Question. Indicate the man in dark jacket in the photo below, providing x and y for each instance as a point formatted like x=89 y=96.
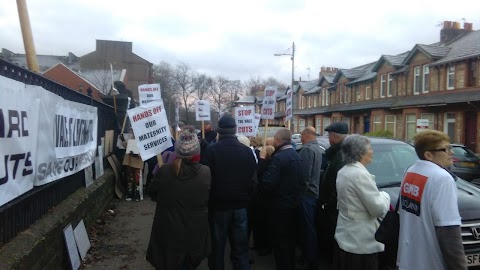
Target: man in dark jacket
x=234 y=177
x=282 y=186
x=328 y=192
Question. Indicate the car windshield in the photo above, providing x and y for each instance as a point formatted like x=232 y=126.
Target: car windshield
x=390 y=161
x=462 y=152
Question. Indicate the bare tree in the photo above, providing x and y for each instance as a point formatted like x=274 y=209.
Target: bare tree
x=184 y=85
x=235 y=90
x=202 y=85
x=219 y=93
x=163 y=73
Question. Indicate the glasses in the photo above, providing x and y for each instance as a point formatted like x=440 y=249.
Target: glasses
x=448 y=149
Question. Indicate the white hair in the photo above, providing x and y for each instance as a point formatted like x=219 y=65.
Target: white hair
x=243 y=139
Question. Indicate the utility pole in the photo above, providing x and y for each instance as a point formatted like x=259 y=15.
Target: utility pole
x=27 y=36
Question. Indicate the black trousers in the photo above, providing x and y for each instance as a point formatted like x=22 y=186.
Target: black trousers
x=283 y=235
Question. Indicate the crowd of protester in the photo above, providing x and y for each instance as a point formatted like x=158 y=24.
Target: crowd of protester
x=218 y=186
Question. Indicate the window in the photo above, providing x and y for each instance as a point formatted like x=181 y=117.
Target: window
x=341 y=92
x=309 y=122
x=377 y=122
x=390 y=123
x=357 y=92
x=472 y=73
x=301 y=124
x=346 y=97
x=295 y=124
x=417 y=80
x=346 y=120
x=449 y=125
x=389 y=84
x=315 y=101
x=430 y=117
x=318 y=125
x=367 y=91
x=326 y=123
x=327 y=97
x=335 y=119
x=450 y=77
x=426 y=79
x=382 y=85
x=411 y=126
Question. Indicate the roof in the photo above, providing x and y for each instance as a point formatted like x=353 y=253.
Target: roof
x=393 y=60
x=328 y=78
x=44 y=61
x=350 y=74
x=463 y=48
x=437 y=98
x=369 y=74
x=433 y=51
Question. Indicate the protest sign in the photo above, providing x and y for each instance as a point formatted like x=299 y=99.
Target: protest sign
x=202 y=110
x=150 y=126
x=256 y=120
x=149 y=93
x=244 y=116
x=268 y=104
x=288 y=109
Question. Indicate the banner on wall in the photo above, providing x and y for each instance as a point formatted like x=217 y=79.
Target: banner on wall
x=29 y=134
x=150 y=126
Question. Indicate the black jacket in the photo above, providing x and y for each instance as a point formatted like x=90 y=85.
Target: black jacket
x=328 y=189
x=234 y=174
x=281 y=183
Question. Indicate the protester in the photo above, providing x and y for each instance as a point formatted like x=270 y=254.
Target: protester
x=180 y=236
x=234 y=179
x=133 y=170
x=311 y=156
x=360 y=204
x=210 y=134
x=327 y=215
x=430 y=232
x=281 y=185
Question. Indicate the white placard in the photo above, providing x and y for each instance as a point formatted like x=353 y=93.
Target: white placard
x=150 y=126
x=202 y=110
x=88 y=175
x=132 y=147
x=71 y=247
x=149 y=93
x=422 y=124
x=244 y=116
x=268 y=104
x=288 y=110
x=257 y=118
x=99 y=163
x=81 y=237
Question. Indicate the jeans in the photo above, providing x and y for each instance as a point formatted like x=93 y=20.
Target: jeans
x=234 y=225
x=309 y=231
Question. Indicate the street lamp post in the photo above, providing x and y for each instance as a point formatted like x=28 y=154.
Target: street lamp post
x=292 y=57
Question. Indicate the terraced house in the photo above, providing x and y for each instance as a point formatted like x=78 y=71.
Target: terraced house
x=439 y=82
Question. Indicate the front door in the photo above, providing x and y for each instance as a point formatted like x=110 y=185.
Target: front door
x=366 y=124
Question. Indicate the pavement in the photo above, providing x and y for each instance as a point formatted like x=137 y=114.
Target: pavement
x=119 y=239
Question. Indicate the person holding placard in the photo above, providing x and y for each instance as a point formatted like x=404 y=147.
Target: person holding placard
x=180 y=237
x=133 y=168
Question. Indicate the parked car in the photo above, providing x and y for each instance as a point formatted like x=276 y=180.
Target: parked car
x=391 y=158
x=466 y=164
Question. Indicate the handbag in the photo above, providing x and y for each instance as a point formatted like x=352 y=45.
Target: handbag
x=389 y=229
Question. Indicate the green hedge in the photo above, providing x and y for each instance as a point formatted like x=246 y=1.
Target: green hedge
x=380 y=133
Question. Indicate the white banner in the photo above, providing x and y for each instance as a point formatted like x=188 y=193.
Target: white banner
x=28 y=141
x=256 y=120
x=150 y=126
x=148 y=93
x=268 y=105
x=202 y=110
x=288 y=111
x=244 y=116
x=75 y=126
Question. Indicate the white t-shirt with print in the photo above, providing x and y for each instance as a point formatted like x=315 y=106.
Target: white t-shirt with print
x=428 y=199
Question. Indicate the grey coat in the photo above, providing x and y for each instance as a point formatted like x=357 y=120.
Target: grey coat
x=311 y=155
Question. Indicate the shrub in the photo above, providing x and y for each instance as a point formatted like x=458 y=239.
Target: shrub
x=380 y=133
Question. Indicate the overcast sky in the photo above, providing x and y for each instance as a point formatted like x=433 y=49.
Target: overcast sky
x=237 y=39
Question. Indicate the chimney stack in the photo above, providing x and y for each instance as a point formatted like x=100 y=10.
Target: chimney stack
x=327 y=71
x=452 y=30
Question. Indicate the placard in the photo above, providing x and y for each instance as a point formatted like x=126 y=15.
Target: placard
x=88 y=175
x=150 y=126
x=244 y=116
x=268 y=104
x=108 y=142
x=202 y=110
x=81 y=238
x=149 y=93
x=132 y=147
x=71 y=247
x=99 y=163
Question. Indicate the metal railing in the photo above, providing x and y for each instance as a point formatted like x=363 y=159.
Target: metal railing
x=18 y=214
